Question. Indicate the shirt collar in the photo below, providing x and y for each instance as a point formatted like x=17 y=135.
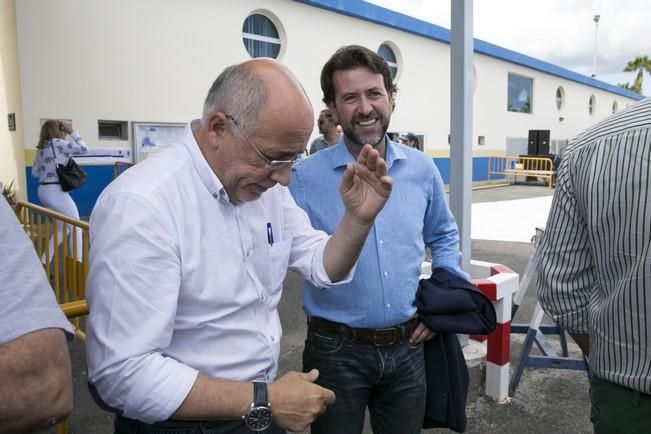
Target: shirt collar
x=205 y=172
x=341 y=155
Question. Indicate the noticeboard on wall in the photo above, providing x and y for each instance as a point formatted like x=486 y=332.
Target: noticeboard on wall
x=151 y=137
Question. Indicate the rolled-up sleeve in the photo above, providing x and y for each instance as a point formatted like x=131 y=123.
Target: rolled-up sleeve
x=132 y=290
x=78 y=146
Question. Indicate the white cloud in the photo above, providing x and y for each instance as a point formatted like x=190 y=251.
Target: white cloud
x=557 y=31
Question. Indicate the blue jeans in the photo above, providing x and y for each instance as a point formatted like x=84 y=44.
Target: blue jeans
x=389 y=380
x=125 y=425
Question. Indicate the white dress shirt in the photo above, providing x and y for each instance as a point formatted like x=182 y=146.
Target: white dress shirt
x=182 y=281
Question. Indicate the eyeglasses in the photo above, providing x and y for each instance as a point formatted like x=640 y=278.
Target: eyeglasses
x=269 y=162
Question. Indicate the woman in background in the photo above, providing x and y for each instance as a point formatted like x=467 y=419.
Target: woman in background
x=52 y=148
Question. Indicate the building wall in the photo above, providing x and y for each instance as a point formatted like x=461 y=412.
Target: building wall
x=91 y=70
x=153 y=60
x=492 y=119
x=11 y=142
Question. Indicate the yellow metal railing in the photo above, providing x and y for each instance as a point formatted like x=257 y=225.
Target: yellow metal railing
x=62 y=244
x=119 y=167
x=539 y=167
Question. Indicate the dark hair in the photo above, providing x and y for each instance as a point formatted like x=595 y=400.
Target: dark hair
x=351 y=57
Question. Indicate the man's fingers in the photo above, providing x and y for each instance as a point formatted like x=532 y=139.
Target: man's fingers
x=330 y=397
x=311 y=376
x=379 y=166
x=387 y=182
x=363 y=154
x=420 y=334
x=348 y=178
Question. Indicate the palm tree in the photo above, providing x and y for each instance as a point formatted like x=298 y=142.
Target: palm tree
x=639 y=65
x=628 y=86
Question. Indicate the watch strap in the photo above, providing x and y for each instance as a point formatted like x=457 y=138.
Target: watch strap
x=260 y=393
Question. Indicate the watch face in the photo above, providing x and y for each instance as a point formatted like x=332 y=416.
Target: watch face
x=258 y=418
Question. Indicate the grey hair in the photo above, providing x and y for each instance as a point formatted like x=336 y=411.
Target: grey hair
x=238 y=92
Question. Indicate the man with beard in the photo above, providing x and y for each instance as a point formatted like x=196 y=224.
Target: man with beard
x=328 y=129
x=364 y=337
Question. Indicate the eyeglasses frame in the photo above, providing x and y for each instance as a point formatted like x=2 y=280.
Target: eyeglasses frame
x=269 y=163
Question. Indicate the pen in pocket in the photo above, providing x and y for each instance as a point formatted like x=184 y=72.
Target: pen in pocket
x=270 y=234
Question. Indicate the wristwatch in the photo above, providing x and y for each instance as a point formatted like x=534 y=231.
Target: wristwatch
x=258 y=417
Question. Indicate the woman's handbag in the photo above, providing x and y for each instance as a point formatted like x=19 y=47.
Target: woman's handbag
x=71 y=175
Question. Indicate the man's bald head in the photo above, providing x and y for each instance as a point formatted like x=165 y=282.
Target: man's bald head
x=257 y=89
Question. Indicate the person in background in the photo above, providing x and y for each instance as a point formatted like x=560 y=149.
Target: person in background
x=328 y=129
x=594 y=276
x=189 y=250
x=364 y=337
x=35 y=378
x=53 y=148
x=409 y=139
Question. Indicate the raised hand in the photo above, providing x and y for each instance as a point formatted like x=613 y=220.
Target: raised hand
x=66 y=127
x=365 y=186
x=296 y=401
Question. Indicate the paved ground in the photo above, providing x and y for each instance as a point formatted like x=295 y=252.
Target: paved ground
x=547 y=401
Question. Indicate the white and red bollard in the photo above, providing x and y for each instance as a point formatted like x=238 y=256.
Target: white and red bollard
x=500 y=284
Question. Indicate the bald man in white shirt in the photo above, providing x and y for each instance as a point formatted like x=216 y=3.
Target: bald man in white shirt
x=189 y=250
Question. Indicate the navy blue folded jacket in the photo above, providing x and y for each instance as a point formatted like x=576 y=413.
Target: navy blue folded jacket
x=449 y=304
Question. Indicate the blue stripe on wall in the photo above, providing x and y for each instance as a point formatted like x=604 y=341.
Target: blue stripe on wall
x=385 y=17
x=86 y=195
x=100 y=176
x=479 y=168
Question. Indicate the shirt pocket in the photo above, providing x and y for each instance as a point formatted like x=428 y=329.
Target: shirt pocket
x=279 y=260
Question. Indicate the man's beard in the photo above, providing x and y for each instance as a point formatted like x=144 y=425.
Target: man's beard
x=373 y=140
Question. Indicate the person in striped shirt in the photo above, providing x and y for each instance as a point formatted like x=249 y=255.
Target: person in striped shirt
x=595 y=271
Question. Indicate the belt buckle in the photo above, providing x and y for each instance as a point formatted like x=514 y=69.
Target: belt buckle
x=394 y=337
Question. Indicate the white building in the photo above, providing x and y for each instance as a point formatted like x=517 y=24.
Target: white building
x=111 y=65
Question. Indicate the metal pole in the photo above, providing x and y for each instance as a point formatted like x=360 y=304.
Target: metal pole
x=461 y=49
x=594 y=59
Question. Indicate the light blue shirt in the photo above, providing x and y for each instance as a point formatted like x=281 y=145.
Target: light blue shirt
x=383 y=289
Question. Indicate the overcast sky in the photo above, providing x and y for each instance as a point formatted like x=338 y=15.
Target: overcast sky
x=557 y=31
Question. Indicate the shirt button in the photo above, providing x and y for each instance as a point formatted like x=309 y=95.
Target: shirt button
x=273 y=339
x=262 y=297
x=215 y=195
x=388 y=305
x=381 y=241
x=386 y=273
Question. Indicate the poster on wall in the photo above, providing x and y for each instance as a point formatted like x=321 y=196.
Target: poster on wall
x=151 y=137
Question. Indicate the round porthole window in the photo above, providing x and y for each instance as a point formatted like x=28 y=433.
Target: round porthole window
x=260 y=36
x=560 y=98
x=592 y=105
x=389 y=56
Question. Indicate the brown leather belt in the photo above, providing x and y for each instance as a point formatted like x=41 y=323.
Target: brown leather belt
x=378 y=337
